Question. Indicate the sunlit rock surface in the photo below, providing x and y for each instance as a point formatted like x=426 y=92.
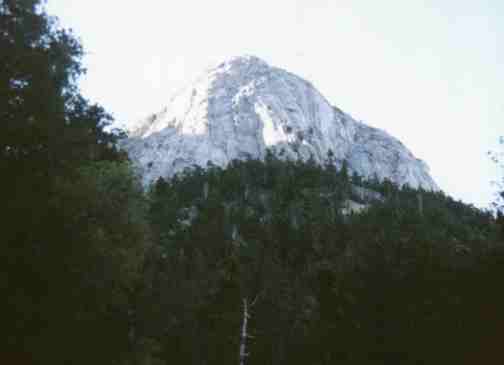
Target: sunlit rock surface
x=242 y=107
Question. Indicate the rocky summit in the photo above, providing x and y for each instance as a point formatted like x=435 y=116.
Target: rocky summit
x=243 y=107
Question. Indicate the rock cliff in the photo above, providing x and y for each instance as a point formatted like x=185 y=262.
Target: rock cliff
x=242 y=107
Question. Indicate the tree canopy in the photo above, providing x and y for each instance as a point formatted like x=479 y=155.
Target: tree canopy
x=73 y=231
x=398 y=282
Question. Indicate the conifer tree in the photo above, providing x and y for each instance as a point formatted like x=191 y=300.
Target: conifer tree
x=73 y=229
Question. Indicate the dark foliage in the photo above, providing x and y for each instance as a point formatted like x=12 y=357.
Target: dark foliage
x=72 y=226
x=394 y=284
x=95 y=272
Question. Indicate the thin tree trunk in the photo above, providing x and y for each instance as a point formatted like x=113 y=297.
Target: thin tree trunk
x=420 y=204
x=243 y=337
x=244 y=330
x=206 y=189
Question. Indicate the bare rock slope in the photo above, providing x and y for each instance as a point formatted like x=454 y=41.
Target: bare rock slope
x=242 y=107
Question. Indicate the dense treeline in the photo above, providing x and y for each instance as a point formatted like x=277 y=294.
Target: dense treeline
x=73 y=231
x=411 y=279
x=333 y=269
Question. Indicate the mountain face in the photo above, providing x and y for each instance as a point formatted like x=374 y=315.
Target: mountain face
x=243 y=107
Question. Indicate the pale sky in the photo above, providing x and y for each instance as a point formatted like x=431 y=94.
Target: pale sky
x=429 y=72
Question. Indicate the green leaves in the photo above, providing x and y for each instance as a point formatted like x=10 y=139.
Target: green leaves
x=74 y=233
x=332 y=287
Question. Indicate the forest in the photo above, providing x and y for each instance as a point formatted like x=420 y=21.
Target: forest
x=262 y=262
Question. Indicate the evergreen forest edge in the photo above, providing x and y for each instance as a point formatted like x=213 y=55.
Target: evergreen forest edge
x=95 y=270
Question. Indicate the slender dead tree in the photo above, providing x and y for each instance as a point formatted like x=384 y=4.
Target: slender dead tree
x=244 y=335
x=420 y=204
x=206 y=188
x=244 y=328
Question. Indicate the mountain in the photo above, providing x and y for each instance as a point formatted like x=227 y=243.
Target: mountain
x=243 y=107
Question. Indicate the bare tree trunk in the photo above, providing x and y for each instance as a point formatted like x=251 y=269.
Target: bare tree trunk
x=244 y=330
x=206 y=188
x=243 y=337
x=420 y=204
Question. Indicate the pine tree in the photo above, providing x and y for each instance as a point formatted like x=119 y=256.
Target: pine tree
x=73 y=229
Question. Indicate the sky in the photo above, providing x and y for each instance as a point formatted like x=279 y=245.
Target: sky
x=429 y=72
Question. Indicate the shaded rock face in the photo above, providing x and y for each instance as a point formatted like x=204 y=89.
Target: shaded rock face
x=242 y=107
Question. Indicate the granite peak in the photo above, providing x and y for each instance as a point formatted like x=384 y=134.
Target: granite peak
x=242 y=107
